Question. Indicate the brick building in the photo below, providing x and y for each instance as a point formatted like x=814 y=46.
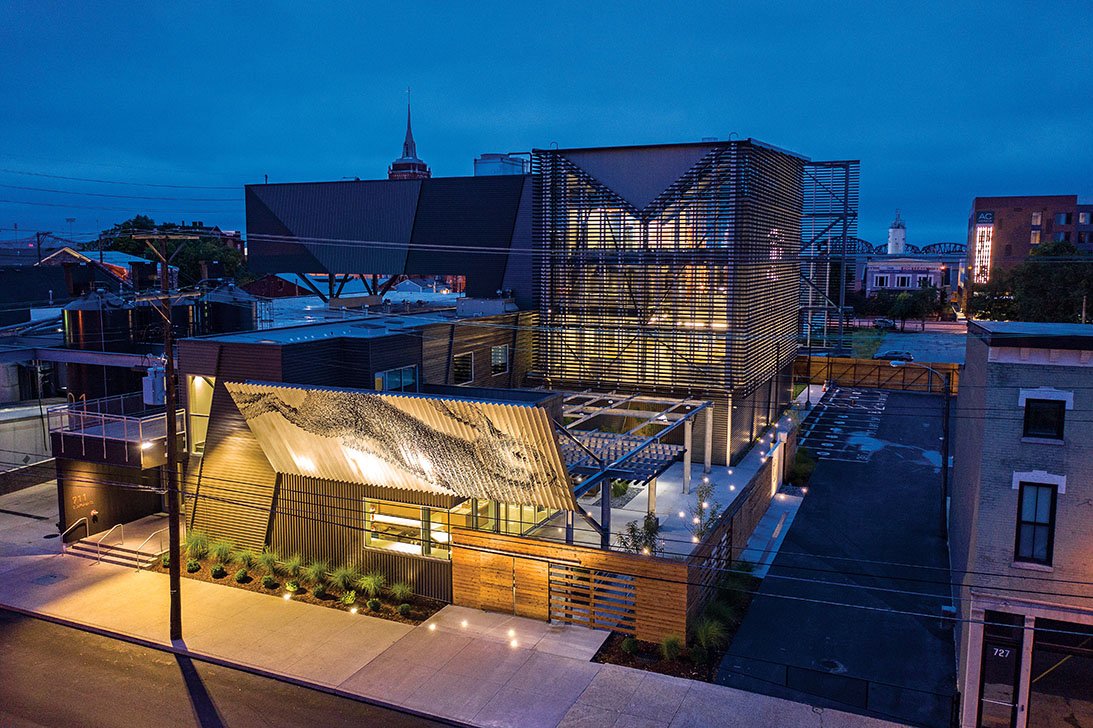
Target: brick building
x=1021 y=543
x=1002 y=231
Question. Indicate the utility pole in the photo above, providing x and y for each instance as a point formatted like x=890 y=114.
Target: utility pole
x=38 y=243
x=945 y=458
x=171 y=402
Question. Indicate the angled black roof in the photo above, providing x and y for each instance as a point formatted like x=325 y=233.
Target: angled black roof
x=438 y=226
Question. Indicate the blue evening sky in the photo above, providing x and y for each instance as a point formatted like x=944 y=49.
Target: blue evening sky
x=940 y=101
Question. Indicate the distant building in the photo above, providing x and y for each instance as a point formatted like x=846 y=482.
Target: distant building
x=1002 y=231
x=905 y=274
x=493 y=164
x=897 y=236
x=408 y=166
x=1021 y=543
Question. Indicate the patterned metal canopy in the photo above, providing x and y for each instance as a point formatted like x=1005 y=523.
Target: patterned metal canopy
x=474 y=449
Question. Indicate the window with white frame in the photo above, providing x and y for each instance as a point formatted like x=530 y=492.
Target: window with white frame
x=903 y=281
x=499 y=359
x=1035 y=539
x=880 y=281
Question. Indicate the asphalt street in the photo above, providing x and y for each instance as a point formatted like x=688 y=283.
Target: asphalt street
x=52 y=675
x=836 y=621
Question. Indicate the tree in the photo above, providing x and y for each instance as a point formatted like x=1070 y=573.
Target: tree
x=906 y=305
x=992 y=300
x=643 y=539
x=189 y=259
x=1049 y=286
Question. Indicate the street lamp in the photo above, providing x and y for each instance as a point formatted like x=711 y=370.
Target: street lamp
x=944 y=437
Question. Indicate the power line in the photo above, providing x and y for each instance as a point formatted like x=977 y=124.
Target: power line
x=125 y=197
x=118 y=182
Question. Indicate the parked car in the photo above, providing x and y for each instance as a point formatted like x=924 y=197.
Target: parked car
x=894 y=356
x=884 y=323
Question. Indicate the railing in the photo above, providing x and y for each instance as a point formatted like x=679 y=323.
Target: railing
x=121 y=418
x=159 y=533
x=98 y=542
x=71 y=528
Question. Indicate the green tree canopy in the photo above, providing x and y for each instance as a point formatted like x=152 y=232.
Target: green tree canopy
x=1048 y=286
x=189 y=259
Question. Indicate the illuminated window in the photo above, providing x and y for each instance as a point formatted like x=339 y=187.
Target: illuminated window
x=407 y=529
x=200 y=398
x=463 y=368
x=1035 y=523
x=1083 y=218
x=1034 y=238
x=403 y=379
x=1037 y=218
x=981 y=267
x=499 y=359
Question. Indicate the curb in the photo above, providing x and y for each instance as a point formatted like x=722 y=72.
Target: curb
x=221 y=662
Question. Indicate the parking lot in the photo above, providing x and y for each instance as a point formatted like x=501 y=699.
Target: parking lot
x=849 y=614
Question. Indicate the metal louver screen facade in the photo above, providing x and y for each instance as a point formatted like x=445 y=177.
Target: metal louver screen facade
x=472 y=449
x=686 y=284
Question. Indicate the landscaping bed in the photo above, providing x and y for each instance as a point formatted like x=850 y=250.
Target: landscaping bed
x=710 y=638
x=343 y=588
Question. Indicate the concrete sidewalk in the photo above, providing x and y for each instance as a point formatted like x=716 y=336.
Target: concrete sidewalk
x=465 y=665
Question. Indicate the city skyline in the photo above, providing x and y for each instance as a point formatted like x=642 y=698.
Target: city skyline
x=939 y=109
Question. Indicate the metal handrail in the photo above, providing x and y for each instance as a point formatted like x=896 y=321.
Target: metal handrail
x=98 y=543
x=154 y=533
x=71 y=528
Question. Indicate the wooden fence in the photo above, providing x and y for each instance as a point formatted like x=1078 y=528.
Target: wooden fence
x=875 y=374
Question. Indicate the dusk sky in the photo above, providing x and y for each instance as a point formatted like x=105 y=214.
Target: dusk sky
x=940 y=103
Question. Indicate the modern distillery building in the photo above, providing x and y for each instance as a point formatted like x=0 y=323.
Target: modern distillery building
x=617 y=299
x=673 y=269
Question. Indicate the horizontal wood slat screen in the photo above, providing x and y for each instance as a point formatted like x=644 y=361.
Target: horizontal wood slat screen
x=638 y=595
x=874 y=373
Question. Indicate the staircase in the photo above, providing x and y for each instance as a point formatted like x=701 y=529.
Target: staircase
x=111 y=553
x=137 y=545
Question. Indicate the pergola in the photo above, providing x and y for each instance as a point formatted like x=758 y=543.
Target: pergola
x=621 y=436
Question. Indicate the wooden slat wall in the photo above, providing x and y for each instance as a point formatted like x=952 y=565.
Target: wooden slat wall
x=728 y=538
x=505 y=573
x=875 y=374
x=233 y=482
x=440 y=342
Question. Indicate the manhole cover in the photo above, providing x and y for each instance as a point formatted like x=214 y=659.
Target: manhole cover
x=47 y=579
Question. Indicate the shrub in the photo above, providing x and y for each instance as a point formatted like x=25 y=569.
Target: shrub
x=643 y=539
x=242 y=577
x=165 y=560
x=315 y=573
x=292 y=587
x=619 y=488
x=345 y=577
x=245 y=558
x=219 y=572
x=670 y=647
x=267 y=562
x=371 y=584
x=629 y=645
x=724 y=612
x=222 y=551
x=374 y=604
x=197 y=545
x=711 y=636
x=404 y=610
x=269 y=582
x=401 y=591
x=293 y=565
x=193 y=566
x=349 y=598
x=803 y=465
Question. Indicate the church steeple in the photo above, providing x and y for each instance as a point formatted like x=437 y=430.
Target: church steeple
x=408 y=166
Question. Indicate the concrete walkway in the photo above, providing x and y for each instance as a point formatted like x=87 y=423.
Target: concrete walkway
x=465 y=665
